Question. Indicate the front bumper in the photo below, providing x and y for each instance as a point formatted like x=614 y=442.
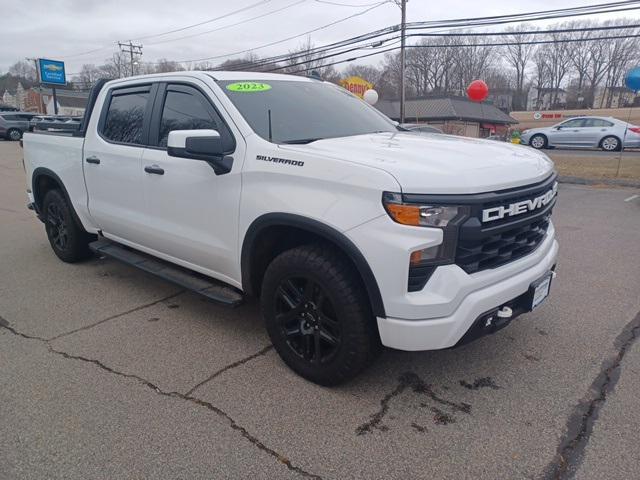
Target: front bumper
x=447 y=331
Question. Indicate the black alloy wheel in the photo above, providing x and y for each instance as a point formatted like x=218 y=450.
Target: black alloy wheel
x=307 y=319
x=56 y=226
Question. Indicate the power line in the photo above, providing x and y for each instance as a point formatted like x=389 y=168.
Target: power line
x=285 y=39
x=468 y=22
x=181 y=29
x=467 y=45
x=253 y=5
x=345 y=4
x=229 y=26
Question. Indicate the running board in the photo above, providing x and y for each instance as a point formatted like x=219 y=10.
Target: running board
x=205 y=286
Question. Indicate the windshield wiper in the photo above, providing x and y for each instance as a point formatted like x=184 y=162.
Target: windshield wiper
x=300 y=141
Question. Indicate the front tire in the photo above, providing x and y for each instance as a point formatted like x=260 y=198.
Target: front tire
x=317 y=314
x=69 y=241
x=538 y=141
x=610 y=144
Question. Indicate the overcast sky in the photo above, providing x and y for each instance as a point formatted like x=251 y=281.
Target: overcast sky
x=60 y=29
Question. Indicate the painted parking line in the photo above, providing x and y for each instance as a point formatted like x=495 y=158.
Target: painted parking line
x=632 y=197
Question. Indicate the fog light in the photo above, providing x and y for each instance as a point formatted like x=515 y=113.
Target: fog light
x=426 y=255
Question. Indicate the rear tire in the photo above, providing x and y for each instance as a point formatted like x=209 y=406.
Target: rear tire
x=14 y=134
x=610 y=144
x=69 y=241
x=318 y=315
x=538 y=141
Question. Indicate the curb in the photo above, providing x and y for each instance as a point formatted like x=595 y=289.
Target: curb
x=618 y=182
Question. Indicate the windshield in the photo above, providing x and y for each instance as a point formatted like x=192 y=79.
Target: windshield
x=302 y=112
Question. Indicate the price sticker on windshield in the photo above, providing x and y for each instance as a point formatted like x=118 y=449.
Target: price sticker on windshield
x=248 y=87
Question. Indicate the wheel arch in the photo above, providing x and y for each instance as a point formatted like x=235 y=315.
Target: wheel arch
x=43 y=180
x=260 y=247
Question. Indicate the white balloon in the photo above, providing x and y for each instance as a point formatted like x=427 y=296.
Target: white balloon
x=371 y=96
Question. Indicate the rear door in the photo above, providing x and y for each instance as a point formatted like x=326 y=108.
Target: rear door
x=192 y=212
x=112 y=162
x=595 y=129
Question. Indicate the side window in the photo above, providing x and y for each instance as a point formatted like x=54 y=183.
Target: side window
x=185 y=109
x=598 y=122
x=576 y=122
x=125 y=117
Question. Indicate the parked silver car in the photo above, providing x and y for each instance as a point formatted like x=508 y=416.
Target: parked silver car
x=14 y=124
x=606 y=133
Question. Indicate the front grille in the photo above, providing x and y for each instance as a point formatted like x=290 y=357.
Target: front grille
x=502 y=247
x=482 y=246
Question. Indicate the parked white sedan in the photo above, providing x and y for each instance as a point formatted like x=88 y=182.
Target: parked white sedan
x=607 y=133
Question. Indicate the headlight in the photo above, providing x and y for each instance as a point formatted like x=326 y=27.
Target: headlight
x=445 y=217
x=438 y=216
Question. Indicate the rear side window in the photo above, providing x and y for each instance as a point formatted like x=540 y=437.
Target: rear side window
x=184 y=109
x=597 y=122
x=125 y=117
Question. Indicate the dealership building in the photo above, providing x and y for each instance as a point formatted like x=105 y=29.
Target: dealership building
x=453 y=115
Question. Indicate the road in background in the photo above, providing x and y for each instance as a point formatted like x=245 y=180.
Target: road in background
x=106 y=372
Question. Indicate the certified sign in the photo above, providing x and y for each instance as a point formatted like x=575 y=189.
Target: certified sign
x=51 y=72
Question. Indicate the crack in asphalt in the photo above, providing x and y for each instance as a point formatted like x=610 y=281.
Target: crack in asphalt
x=580 y=424
x=413 y=381
x=231 y=366
x=186 y=397
x=117 y=315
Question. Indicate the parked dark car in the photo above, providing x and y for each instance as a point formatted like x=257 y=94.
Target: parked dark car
x=14 y=124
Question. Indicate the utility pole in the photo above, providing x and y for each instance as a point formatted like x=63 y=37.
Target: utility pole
x=133 y=50
x=403 y=27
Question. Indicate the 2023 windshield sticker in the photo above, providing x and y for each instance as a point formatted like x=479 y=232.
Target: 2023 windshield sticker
x=248 y=87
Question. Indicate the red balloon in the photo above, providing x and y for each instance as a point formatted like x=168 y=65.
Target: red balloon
x=478 y=91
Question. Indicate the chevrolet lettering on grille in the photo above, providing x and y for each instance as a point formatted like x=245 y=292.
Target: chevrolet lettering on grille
x=518 y=208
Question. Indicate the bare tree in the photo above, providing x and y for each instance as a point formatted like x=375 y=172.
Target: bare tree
x=518 y=55
x=26 y=70
x=541 y=77
x=163 y=66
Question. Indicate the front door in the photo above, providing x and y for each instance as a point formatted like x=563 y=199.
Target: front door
x=568 y=134
x=192 y=212
x=112 y=163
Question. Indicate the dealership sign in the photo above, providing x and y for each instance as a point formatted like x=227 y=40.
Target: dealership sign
x=51 y=72
x=356 y=85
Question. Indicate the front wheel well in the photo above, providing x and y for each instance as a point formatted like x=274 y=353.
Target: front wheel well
x=266 y=239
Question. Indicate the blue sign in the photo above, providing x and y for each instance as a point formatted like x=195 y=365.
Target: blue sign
x=51 y=72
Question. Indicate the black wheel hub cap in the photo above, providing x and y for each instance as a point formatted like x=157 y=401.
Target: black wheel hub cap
x=57 y=227
x=307 y=319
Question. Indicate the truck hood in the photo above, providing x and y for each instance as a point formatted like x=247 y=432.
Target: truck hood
x=436 y=163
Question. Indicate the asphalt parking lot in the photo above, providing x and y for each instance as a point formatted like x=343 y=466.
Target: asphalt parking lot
x=106 y=372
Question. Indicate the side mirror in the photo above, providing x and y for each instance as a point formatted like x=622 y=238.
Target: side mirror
x=200 y=145
x=559 y=127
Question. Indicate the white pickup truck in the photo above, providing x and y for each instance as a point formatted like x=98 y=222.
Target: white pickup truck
x=353 y=233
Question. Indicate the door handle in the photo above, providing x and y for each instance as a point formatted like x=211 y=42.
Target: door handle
x=93 y=159
x=154 y=169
